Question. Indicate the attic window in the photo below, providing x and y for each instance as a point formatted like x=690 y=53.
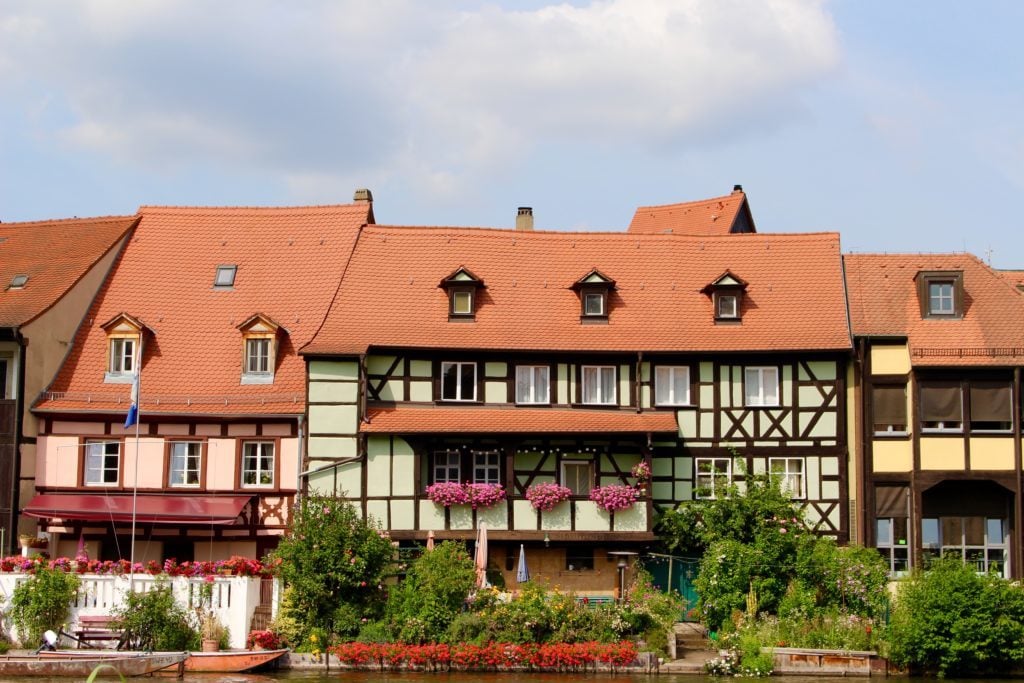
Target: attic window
x=225 y=278
x=726 y=292
x=941 y=294
x=594 y=289
x=462 y=287
x=18 y=282
x=260 y=345
x=124 y=346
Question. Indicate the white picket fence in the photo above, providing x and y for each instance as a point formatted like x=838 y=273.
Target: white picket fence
x=234 y=598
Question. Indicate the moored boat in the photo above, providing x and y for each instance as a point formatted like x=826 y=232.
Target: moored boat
x=131 y=664
x=224 y=661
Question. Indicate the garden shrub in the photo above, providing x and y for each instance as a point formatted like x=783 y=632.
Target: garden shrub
x=850 y=578
x=434 y=591
x=953 y=622
x=42 y=603
x=154 y=621
x=334 y=563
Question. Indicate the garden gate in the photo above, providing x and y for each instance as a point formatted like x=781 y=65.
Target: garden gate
x=671 y=573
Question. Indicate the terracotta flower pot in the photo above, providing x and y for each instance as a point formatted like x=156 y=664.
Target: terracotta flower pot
x=210 y=645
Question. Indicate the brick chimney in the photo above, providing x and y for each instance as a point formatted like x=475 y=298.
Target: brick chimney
x=363 y=195
x=524 y=218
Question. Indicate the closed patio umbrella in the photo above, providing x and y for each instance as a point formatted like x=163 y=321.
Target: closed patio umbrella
x=523 y=572
x=480 y=558
x=430 y=540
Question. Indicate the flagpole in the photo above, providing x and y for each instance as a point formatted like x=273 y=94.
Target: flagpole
x=135 y=483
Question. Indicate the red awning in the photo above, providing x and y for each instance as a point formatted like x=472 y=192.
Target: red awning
x=401 y=419
x=148 y=509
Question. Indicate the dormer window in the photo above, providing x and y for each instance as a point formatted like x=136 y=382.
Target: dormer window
x=225 y=277
x=593 y=290
x=260 y=344
x=941 y=294
x=124 y=346
x=18 y=282
x=726 y=292
x=462 y=287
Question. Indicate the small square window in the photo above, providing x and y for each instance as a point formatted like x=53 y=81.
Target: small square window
x=486 y=467
x=257 y=356
x=672 y=385
x=458 y=381
x=593 y=304
x=447 y=466
x=462 y=302
x=185 y=461
x=225 y=277
x=726 y=306
x=532 y=385
x=598 y=384
x=18 y=282
x=761 y=386
x=578 y=476
x=790 y=473
x=102 y=463
x=122 y=356
x=941 y=293
x=940 y=298
x=713 y=477
x=579 y=559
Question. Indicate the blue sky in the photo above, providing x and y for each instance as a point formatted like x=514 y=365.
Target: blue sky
x=898 y=124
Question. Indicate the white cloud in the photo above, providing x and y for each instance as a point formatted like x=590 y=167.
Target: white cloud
x=316 y=91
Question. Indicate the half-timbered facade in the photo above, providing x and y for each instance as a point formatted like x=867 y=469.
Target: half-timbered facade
x=204 y=312
x=477 y=356
x=940 y=341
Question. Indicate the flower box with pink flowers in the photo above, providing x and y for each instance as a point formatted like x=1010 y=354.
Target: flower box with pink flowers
x=546 y=496
x=614 y=497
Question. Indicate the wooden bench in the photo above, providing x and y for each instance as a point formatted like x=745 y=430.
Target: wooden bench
x=97 y=628
x=595 y=600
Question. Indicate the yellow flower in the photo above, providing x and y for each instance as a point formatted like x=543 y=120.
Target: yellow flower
x=313 y=638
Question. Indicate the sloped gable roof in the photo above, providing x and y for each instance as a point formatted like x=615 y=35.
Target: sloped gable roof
x=715 y=216
x=54 y=255
x=290 y=261
x=389 y=296
x=884 y=302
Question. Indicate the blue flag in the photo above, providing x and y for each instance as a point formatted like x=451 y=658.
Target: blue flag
x=133 y=409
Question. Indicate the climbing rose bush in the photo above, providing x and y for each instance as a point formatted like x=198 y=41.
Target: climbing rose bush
x=546 y=496
x=614 y=497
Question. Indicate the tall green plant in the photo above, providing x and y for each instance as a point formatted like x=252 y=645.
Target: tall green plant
x=953 y=622
x=334 y=562
x=433 y=593
x=155 y=621
x=42 y=603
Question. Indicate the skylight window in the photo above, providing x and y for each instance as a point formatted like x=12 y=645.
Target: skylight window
x=225 y=276
x=18 y=282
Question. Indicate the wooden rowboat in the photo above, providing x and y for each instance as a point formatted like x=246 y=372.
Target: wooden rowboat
x=224 y=661
x=135 y=664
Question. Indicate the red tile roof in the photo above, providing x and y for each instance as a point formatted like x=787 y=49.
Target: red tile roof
x=289 y=260
x=715 y=216
x=54 y=255
x=883 y=302
x=1014 y=277
x=390 y=295
x=471 y=420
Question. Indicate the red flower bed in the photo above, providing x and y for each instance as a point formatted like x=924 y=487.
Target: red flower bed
x=546 y=656
x=235 y=566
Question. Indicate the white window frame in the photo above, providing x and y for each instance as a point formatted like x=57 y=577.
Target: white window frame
x=732 y=311
x=755 y=380
x=261 y=470
x=224 y=278
x=489 y=462
x=98 y=452
x=595 y=372
x=714 y=481
x=941 y=302
x=445 y=463
x=533 y=384
x=123 y=351
x=259 y=351
x=459 y=365
x=574 y=464
x=178 y=467
x=792 y=469
x=666 y=376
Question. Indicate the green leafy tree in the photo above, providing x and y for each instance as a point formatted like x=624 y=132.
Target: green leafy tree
x=433 y=593
x=155 y=621
x=43 y=603
x=951 y=621
x=334 y=562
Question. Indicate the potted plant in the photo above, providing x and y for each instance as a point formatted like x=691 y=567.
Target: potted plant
x=614 y=497
x=211 y=631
